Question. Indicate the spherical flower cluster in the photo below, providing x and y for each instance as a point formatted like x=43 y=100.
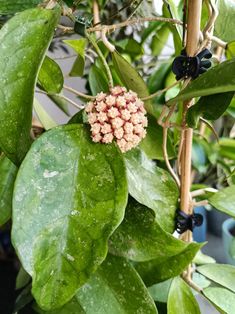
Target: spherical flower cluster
x=118 y=116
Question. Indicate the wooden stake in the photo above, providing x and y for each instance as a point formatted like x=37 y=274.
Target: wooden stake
x=192 y=41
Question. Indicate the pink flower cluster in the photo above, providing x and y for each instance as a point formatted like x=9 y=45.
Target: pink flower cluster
x=118 y=116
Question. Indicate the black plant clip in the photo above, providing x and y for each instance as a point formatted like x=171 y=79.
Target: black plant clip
x=186 y=222
x=184 y=66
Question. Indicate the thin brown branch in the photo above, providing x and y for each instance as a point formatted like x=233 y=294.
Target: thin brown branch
x=79 y=94
x=133 y=22
x=161 y=91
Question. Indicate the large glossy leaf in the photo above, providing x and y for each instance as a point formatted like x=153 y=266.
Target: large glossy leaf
x=114 y=289
x=160 y=291
x=8 y=173
x=152 y=187
x=222 y=274
x=181 y=299
x=219 y=79
x=152 y=143
x=209 y=107
x=140 y=238
x=78 y=46
x=50 y=76
x=222 y=298
x=43 y=116
x=224 y=200
x=225 y=24
x=10 y=7
x=161 y=269
x=77 y=198
x=23 y=43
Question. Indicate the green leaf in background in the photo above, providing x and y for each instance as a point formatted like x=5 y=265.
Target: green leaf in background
x=209 y=107
x=130 y=46
x=225 y=23
x=159 y=40
x=219 y=79
x=23 y=42
x=157 y=79
x=231 y=108
x=152 y=27
x=224 y=200
x=230 y=50
x=152 y=143
x=199 y=156
x=115 y=288
x=160 y=291
x=159 y=270
x=227 y=148
x=8 y=173
x=97 y=80
x=78 y=46
x=131 y=78
x=223 y=299
x=140 y=238
x=181 y=299
x=152 y=187
x=11 y=7
x=43 y=116
x=219 y=273
x=78 y=195
x=201 y=259
x=22 y=279
x=50 y=76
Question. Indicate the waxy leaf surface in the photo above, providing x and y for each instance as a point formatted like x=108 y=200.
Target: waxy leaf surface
x=70 y=195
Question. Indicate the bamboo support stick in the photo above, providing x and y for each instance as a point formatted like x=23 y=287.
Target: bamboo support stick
x=192 y=40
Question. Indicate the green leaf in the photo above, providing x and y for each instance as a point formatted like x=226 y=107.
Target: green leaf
x=140 y=238
x=43 y=116
x=97 y=80
x=209 y=107
x=230 y=50
x=219 y=79
x=222 y=298
x=131 y=78
x=78 y=46
x=222 y=274
x=152 y=187
x=115 y=288
x=227 y=148
x=152 y=143
x=160 y=291
x=181 y=299
x=130 y=46
x=11 y=7
x=23 y=43
x=201 y=259
x=224 y=200
x=200 y=281
x=50 y=76
x=159 y=270
x=159 y=40
x=22 y=278
x=77 y=198
x=225 y=24
x=8 y=173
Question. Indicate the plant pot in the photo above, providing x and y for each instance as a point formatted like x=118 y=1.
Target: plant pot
x=228 y=237
x=215 y=220
x=199 y=233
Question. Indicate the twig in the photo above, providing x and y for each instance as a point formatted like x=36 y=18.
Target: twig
x=132 y=22
x=192 y=284
x=100 y=54
x=74 y=91
x=161 y=91
x=106 y=42
x=62 y=97
x=96 y=15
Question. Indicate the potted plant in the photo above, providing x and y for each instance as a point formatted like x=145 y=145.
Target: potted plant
x=89 y=208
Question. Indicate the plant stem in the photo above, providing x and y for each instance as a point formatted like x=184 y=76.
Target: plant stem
x=62 y=97
x=100 y=54
x=192 y=39
x=161 y=91
x=74 y=91
x=132 y=22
